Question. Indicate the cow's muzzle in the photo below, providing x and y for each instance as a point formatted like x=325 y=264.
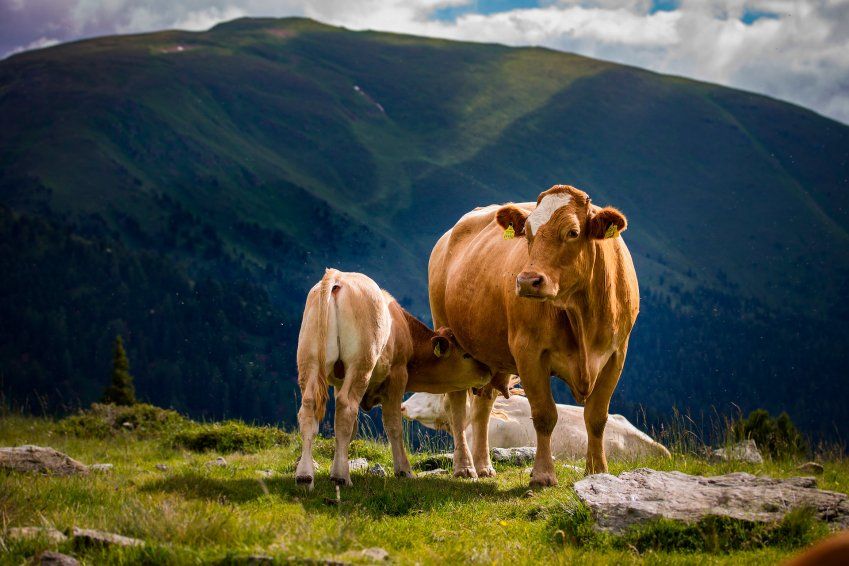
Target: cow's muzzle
x=530 y=284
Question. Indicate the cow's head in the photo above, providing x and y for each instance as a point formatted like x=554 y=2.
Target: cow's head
x=559 y=234
x=447 y=357
x=429 y=409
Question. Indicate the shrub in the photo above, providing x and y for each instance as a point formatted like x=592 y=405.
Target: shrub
x=104 y=420
x=121 y=391
x=229 y=436
x=777 y=437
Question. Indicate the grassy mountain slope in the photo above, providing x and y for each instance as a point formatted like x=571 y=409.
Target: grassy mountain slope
x=296 y=145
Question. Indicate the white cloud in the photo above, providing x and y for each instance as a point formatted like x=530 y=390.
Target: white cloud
x=798 y=52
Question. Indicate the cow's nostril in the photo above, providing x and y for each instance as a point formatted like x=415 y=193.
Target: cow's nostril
x=536 y=281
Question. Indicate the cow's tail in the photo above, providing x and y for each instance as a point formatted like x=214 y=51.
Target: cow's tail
x=326 y=301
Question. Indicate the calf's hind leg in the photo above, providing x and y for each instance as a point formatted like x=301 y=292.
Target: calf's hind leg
x=308 y=417
x=348 y=399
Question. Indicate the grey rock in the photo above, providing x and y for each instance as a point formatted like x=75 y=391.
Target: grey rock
x=377 y=470
x=128 y=425
x=811 y=468
x=161 y=467
x=642 y=495
x=358 y=464
x=519 y=456
x=435 y=472
x=266 y=473
x=101 y=467
x=219 y=462
x=573 y=468
x=436 y=461
x=49 y=534
x=49 y=558
x=746 y=451
x=91 y=537
x=375 y=554
x=40 y=459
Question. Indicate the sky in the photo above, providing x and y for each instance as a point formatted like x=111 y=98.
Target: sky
x=795 y=50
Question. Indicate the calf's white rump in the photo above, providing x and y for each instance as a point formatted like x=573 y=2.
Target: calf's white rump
x=510 y=426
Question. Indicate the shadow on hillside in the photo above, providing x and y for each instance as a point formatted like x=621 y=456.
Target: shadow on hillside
x=372 y=495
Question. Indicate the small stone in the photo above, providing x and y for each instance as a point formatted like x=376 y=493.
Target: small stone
x=528 y=494
x=266 y=473
x=528 y=471
x=375 y=554
x=50 y=558
x=40 y=459
x=91 y=537
x=162 y=467
x=377 y=470
x=358 y=464
x=746 y=451
x=128 y=425
x=518 y=456
x=811 y=468
x=101 y=467
x=49 y=534
x=436 y=472
x=572 y=468
x=219 y=462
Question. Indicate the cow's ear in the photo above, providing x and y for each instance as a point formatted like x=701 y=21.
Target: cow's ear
x=441 y=346
x=606 y=223
x=509 y=215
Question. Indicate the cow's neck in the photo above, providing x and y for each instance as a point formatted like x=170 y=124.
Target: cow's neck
x=421 y=336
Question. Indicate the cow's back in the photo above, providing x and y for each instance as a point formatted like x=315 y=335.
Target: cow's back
x=471 y=277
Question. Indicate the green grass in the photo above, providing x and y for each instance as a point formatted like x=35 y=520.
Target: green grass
x=195 y=513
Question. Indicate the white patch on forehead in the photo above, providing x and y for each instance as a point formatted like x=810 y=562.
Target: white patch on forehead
x=546 y=207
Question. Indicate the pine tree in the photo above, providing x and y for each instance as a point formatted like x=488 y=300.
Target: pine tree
x=121 y=391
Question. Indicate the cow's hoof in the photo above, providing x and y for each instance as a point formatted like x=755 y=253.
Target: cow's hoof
x=487 y=472
x=345 y=482
x=403 y=474
x=543 y=479
x=466 y=472
x=304 y=480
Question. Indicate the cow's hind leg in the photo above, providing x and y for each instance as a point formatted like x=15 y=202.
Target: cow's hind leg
x=348 y=399
x=463 y=467
x=481 y=410
x=308 y=422
x=595 y=412
x=392 y=422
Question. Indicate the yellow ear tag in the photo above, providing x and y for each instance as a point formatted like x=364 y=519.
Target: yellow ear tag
x=509 y=233
x=612 y=232
x=437 y=351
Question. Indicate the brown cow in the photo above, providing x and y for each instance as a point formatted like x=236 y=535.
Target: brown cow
x=357 y=337
x=538 y=289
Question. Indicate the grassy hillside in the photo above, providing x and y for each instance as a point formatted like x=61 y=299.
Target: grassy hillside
x=284 y=146
x=192 y=512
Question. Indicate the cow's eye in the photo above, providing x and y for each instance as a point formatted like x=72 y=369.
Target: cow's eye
x=573 y=234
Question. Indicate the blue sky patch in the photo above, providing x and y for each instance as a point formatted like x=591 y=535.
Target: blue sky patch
x=483 y=7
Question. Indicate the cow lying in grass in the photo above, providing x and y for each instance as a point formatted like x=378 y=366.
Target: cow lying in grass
x=510 y=425
x=358 y=338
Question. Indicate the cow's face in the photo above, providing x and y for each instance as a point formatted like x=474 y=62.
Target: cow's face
x=559 y=233
x=429 y=409
x=450 y=359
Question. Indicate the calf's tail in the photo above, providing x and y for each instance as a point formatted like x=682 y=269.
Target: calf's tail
x=321 y=384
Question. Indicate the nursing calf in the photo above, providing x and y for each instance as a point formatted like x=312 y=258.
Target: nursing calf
x=510 y=426
x=358 y=338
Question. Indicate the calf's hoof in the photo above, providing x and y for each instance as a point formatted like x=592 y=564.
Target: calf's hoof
x=466 y=472
x=304 y=480
x=543 y=479
x=487 y=472
x=404 y=474
x=345 y=482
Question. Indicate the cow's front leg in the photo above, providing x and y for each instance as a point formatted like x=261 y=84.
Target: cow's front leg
x=348 y=399
x=481 y=410
x=463 y=467
x=596 y=410
x=535 y=381
x=392 y=422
